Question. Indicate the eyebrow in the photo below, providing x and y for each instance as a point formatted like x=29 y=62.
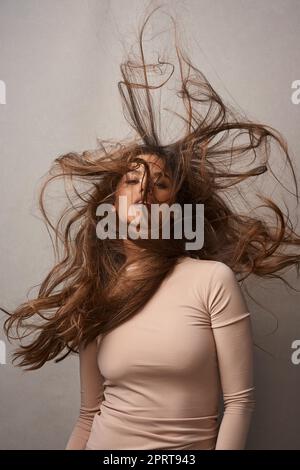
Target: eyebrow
x=157 y=173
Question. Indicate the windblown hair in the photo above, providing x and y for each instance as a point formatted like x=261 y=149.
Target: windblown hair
x=89 y=291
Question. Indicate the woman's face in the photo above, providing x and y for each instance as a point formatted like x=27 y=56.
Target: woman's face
x=133 y=184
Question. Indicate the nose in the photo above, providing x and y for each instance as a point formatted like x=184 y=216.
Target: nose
x=150 y=189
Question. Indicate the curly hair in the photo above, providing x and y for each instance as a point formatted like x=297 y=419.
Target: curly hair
x=217 y=161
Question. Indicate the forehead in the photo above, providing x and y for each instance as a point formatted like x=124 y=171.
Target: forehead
x=153 y=161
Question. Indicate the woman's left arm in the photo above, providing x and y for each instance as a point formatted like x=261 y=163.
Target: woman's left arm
x=232 y=330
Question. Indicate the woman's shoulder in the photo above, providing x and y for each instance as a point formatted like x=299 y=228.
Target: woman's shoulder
x=217 y=288
x=205 y=265
x=206 y=274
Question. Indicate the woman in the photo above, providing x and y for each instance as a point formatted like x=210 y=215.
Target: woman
x=159 y=370
x=161 y=329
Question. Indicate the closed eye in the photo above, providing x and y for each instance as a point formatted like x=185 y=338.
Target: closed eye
x=162 y=185
x=158 y=184
x=132 y=181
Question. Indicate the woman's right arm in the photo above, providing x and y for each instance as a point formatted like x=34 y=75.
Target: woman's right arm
x=91 y=392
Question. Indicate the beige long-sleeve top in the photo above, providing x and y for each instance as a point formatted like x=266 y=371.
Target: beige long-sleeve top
x=155 y=381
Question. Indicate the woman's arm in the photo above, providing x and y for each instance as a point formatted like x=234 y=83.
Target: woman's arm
x=232 y=330
x=91 y=391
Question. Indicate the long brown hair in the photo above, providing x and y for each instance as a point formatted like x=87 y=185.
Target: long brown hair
x=89 y=291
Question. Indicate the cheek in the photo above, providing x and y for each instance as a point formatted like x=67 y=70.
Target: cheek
x=164 y=196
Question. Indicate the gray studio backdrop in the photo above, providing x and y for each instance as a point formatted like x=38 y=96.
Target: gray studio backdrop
x=59 y=66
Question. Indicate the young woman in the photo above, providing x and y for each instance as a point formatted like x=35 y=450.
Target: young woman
x=163 y=331
x=159 y=369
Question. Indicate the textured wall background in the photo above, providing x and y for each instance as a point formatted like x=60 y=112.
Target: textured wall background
x=59 y=67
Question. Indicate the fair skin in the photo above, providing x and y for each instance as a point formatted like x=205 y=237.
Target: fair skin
x=133 y=185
